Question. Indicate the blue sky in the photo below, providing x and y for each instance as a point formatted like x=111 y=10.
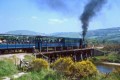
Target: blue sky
x=39 y=16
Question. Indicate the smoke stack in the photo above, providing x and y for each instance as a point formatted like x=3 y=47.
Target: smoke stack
x=90 y=10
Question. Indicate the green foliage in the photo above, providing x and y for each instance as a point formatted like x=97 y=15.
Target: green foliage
x=113 y=57
x=29 y=58
x=116 y=71
x=39 y=64
x=15 y=59
x=65 y=67
x=7 y=67
x=42 y=75
x=109 y=57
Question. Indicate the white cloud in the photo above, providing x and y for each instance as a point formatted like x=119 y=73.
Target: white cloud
x=56 y=21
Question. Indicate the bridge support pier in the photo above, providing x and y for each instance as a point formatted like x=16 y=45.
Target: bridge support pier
x=81 y=57
x=76 y=55
x=86 y=55
x=40 y=49
x=47 y=49
x=55 y=48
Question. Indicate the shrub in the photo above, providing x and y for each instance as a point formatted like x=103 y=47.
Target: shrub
x=63 y=65
x=7 y=67
x=83 y=69
x=116 y=71
x=39 y=64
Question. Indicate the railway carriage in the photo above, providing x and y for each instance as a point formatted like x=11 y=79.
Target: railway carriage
x=42 y=43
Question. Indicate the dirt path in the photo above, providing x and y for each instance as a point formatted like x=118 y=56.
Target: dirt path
x=15 y=76
x=18 y=55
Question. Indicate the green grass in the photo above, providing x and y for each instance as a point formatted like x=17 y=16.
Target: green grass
x=100 y=76
x=52 y=75
x=110 y=57
x=42 y=75
x=29 y=58
x=7 y=68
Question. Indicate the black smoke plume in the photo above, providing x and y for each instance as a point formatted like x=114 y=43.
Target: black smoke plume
x=57 y=5
x=90 y=10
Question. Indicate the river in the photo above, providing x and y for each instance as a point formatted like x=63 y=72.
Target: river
x=103 y=68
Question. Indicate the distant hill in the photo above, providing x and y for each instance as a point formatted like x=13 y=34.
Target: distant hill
x=24 y=32
x=67 y=34
x=104 y=32
x=108 y=34
x=112 y=34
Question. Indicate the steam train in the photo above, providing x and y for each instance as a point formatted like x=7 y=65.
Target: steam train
x=39 y=42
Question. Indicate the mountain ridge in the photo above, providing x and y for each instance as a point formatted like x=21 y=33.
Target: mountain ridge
x=109 y=33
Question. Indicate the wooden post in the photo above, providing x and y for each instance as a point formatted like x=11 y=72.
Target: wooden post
x=72 y=47
x=47 y=48
x=61 y=48
x=75 y=57
x=81 y=57
x=91 y=53
x=55 y=48
x=78 y=47
x=86 y=55
x=40 y=48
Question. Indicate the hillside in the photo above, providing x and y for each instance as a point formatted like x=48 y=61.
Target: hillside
x=111 y=34
x=24 y=32
x=108 y=34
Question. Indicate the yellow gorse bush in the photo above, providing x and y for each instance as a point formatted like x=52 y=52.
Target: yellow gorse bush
x=74 y=69
x=63 y=65
x=83 y=69
x=67 y=67
x=39 y=64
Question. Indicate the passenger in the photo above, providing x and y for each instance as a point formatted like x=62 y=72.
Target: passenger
x=0 y=41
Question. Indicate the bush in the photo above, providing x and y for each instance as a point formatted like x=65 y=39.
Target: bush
x=7 y=67
x=83 y=69
x=39 y=64
x=116 y=71
x=63 y=65
x=78 y=69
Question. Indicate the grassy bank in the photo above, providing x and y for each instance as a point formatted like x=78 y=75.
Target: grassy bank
x=7 y=68
x=61 y=69
x=113 y=57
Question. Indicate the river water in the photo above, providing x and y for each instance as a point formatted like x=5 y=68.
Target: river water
x=103 y=68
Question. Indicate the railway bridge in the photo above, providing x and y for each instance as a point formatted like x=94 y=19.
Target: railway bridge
x=75 y=54
x=46 y=46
